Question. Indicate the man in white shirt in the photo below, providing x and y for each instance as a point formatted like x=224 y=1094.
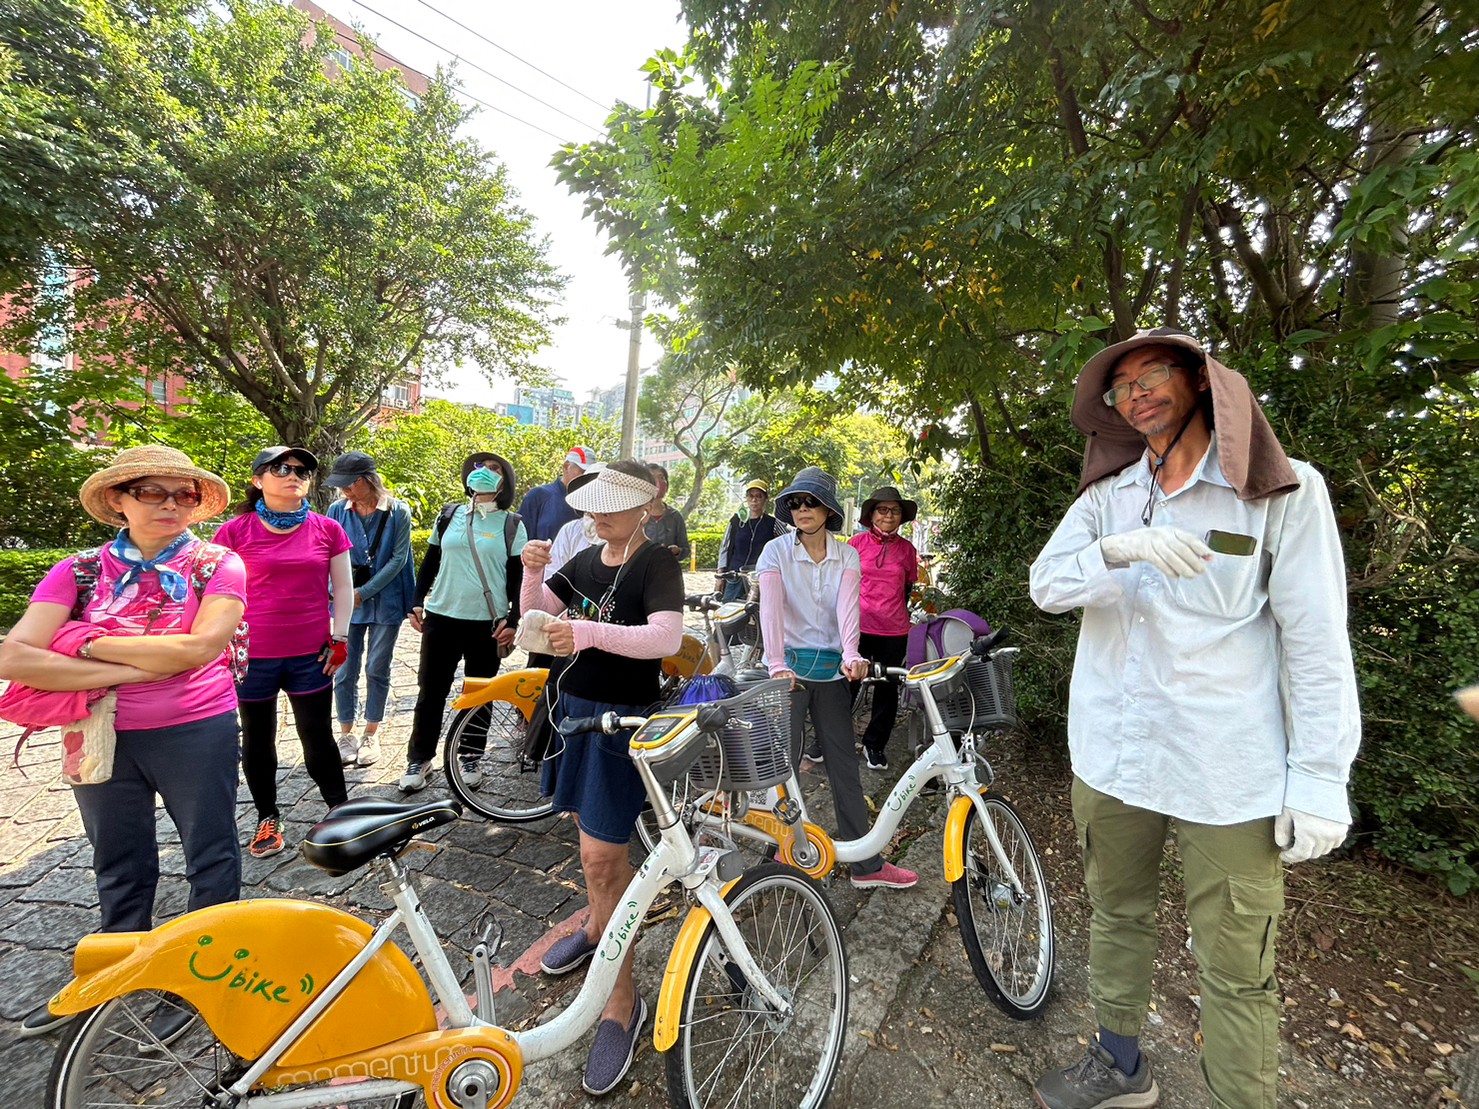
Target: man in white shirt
x=1213 y=687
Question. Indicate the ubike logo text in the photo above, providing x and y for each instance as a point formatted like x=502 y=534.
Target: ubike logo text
x=249 y=982
x=899 y=799
x=403 y=1066
x=623 y=933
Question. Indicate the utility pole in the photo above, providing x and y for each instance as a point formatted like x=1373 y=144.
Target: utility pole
x=634 y=373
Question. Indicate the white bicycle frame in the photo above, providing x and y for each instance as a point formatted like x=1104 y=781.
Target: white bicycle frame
x=718 y=640
x=938 y=760
x=674 y=860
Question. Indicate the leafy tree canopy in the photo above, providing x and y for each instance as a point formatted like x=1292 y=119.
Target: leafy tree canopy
x=236 y=209
x=948 y=207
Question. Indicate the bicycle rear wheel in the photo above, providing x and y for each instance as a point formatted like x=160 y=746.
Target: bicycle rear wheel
x=1008 y=935
x=735 y=1050
x=114 y=1055
x=487 y=766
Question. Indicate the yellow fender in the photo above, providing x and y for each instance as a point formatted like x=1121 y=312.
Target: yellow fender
x=520 y=688
x=250 y=968
x=675 y=975
x=960 y=811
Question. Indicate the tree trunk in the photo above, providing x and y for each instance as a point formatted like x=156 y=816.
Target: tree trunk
x=700 y=473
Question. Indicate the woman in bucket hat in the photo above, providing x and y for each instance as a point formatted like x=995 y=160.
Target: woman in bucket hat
x=379 y=526
x=809 y=623
x=890 y=567
x=292 y=556
x=473 y=540
x=622 y=605
x=150 y=616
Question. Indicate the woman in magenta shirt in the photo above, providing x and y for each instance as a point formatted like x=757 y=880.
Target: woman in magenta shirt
x=150 y=616
x=291 y=556
x=890 y=569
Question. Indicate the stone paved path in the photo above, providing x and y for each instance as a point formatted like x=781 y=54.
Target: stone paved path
x=527 y=875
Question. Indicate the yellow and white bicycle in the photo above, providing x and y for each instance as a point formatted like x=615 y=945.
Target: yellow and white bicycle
x=295 y=1005
x=998 y=887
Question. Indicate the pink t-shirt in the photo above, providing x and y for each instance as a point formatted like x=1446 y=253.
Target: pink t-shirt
x=287 y=581
x=144 y=609
x=885 y=610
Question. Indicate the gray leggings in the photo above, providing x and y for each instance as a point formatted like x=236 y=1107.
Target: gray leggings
x=830 y=704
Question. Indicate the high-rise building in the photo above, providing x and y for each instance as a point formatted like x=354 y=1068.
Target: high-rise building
x=552 y=406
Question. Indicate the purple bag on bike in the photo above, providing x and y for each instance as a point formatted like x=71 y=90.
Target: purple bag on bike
x=950 y=633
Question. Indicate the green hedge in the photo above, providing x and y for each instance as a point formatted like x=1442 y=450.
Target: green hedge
x=19 y=573
x=705 y=542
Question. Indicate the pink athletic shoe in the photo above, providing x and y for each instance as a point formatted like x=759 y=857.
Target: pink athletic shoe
x=889 y=876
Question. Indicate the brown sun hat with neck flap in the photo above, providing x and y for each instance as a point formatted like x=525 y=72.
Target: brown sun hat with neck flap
x=1251 y=457
x=152 y=460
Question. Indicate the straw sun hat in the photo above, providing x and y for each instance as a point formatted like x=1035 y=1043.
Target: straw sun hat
x=152 y=460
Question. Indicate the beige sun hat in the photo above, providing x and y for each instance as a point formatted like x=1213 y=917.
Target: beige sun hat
x=152 y=460
x=611 y=491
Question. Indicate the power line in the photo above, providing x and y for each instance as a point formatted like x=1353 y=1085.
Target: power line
x=348 y=40
x=511 y=54
x=480 y=69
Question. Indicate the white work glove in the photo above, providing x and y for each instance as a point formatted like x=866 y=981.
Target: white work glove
x=1175 y=553
x=1305 y=836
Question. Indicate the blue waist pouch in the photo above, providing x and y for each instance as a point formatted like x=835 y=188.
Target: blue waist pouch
x=813 y=664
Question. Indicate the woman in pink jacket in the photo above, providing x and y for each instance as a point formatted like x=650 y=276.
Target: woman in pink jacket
x=890 y=568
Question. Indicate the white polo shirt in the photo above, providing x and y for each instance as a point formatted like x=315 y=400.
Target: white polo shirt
x=809 y=595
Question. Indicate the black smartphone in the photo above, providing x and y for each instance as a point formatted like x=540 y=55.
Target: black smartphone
x=1231 y=543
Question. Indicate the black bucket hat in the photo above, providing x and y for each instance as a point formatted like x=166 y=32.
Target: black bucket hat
x=505 y=467
x=879 y=496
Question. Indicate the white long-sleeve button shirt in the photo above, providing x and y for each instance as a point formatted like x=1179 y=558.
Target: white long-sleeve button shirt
x=808 y=604
x=1219 y=698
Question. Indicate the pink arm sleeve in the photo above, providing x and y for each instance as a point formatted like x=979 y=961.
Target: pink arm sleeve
x=661 y=636
x=849 y=616
x=534 y=594
x=773 y=620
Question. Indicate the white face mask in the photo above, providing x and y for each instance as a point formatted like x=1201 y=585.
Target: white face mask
x=484 y=508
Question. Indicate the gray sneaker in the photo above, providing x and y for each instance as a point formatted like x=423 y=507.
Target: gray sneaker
x=414 y=778
x=1094 y=1082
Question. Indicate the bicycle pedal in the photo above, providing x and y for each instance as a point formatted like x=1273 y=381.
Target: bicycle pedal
x=491 y=938
x=788 y=811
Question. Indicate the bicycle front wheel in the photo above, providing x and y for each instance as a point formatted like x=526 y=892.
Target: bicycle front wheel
x=485 y=758
x=1008 y=932
x=733 y=1049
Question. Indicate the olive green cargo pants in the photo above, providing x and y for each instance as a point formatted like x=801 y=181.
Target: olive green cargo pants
x=1234 y=894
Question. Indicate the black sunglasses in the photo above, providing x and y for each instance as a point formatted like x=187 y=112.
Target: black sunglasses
x=283 y=469
x=801 y=500
x=154 y=495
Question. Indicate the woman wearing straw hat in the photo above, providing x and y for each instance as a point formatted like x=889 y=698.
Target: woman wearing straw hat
x=890 y=567
x=155 y=611
x=292 y=555
x=622 y=603
x=809 y=623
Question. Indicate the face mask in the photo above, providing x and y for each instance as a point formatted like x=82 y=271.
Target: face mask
x=485 y=508
x=484 y=481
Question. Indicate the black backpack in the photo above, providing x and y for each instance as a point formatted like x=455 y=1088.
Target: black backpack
x=510 y=525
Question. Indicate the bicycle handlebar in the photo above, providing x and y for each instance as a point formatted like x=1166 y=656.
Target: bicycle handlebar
x=608 y=723
x=982 y=647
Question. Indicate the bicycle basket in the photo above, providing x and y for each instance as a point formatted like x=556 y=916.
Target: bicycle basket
x=754 y=748
x=987 y=701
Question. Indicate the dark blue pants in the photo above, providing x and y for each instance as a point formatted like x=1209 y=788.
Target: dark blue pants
x=192 y=768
